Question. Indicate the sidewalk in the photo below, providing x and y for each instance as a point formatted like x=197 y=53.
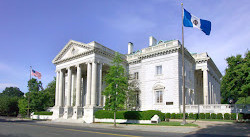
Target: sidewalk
x=175 y=129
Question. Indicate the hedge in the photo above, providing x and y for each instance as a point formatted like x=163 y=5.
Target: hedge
x=138 y=115
x=168 y=115
x=219 y=116
x=202 y=116
x=43 y=113
x=227 y=116
x=191 y=116
x=207 y=116
x=233 y=116
x=213 y=116
x=196 y=116
x=172 y=116
x=147 y=115
x=240 y=116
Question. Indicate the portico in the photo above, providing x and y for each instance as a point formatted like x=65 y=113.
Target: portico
x=79 y=82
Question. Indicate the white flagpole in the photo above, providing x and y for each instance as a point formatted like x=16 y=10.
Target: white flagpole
x=28 y=112
x=183 y=70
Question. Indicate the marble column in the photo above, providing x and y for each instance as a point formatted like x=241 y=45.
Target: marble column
x=100 y=85
x=88 y=94
x=205 y=85
x=69 y=87
x=93 y=84
x=57 y=88
x=60 y=104
x=78 y=86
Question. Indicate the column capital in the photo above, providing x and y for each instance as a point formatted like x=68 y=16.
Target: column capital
x=78 y=65
x=205 y=69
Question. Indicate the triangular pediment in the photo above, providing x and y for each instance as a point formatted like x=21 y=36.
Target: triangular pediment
x=71 y=49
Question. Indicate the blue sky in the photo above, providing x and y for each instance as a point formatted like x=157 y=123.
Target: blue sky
x=32 y=32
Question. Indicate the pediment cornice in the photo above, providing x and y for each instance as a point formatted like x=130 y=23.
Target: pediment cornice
x=67 y=47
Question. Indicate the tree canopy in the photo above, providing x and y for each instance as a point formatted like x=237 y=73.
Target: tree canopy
x=12 y=92
x=8 y=101
x=236 y=81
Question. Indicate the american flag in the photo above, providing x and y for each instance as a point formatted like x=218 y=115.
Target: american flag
x=36 y=74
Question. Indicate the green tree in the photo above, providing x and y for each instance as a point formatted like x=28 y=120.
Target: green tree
x=132 y=95
x=23 y=105
x=50 y=93
x=9 y=101
x=117 y=85
x=236 y=81
x=12 y=92
x=8 y=106
x=35 y=97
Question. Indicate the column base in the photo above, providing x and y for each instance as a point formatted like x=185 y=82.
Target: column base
x=89 y=113
x=57 y=112
x=68 y=112
x=77 y=112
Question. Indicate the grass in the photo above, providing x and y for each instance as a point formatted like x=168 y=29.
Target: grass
x=163 y=123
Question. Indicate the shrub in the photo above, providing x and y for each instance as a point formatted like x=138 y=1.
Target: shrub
x=240 y=116
x=191 y=116
x=104 y=114
x=186 y=115
x=179 y=116
x=233 y=116
x=168 y=115
x=173 y=115
x=120 y=114
x=213 y=116
x=208 y=116
x=196 y=116
x=147 y=115
x=43 y=113
x=202 y=116
x=219 y=116
x=227 y=116
x=132 y=114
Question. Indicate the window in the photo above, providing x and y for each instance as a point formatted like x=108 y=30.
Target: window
x=136 y=75
x=159 y=96
x=158 y=70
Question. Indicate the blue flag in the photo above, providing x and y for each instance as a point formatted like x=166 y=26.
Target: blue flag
x=190 y=20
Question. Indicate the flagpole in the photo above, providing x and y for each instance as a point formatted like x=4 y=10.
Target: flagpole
x=28 y=112
x=183 y=71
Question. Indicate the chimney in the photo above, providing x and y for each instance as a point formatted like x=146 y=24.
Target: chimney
x=130 y=47
x=152 y=41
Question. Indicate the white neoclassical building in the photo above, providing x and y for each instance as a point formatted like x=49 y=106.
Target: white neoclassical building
x=80 y=68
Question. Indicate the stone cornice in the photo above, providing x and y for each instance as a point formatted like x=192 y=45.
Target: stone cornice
x=152 y=54
x=95 y=50
x=74 y=57
x=216 y=70
x=67 y=46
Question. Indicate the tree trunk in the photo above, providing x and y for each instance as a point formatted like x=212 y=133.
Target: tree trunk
x=114 y=119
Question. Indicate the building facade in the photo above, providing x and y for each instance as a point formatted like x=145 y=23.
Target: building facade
x=80 y=68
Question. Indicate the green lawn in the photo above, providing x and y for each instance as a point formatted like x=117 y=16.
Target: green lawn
x=163 y=123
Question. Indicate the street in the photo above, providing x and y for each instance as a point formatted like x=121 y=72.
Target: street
x=36 y=129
